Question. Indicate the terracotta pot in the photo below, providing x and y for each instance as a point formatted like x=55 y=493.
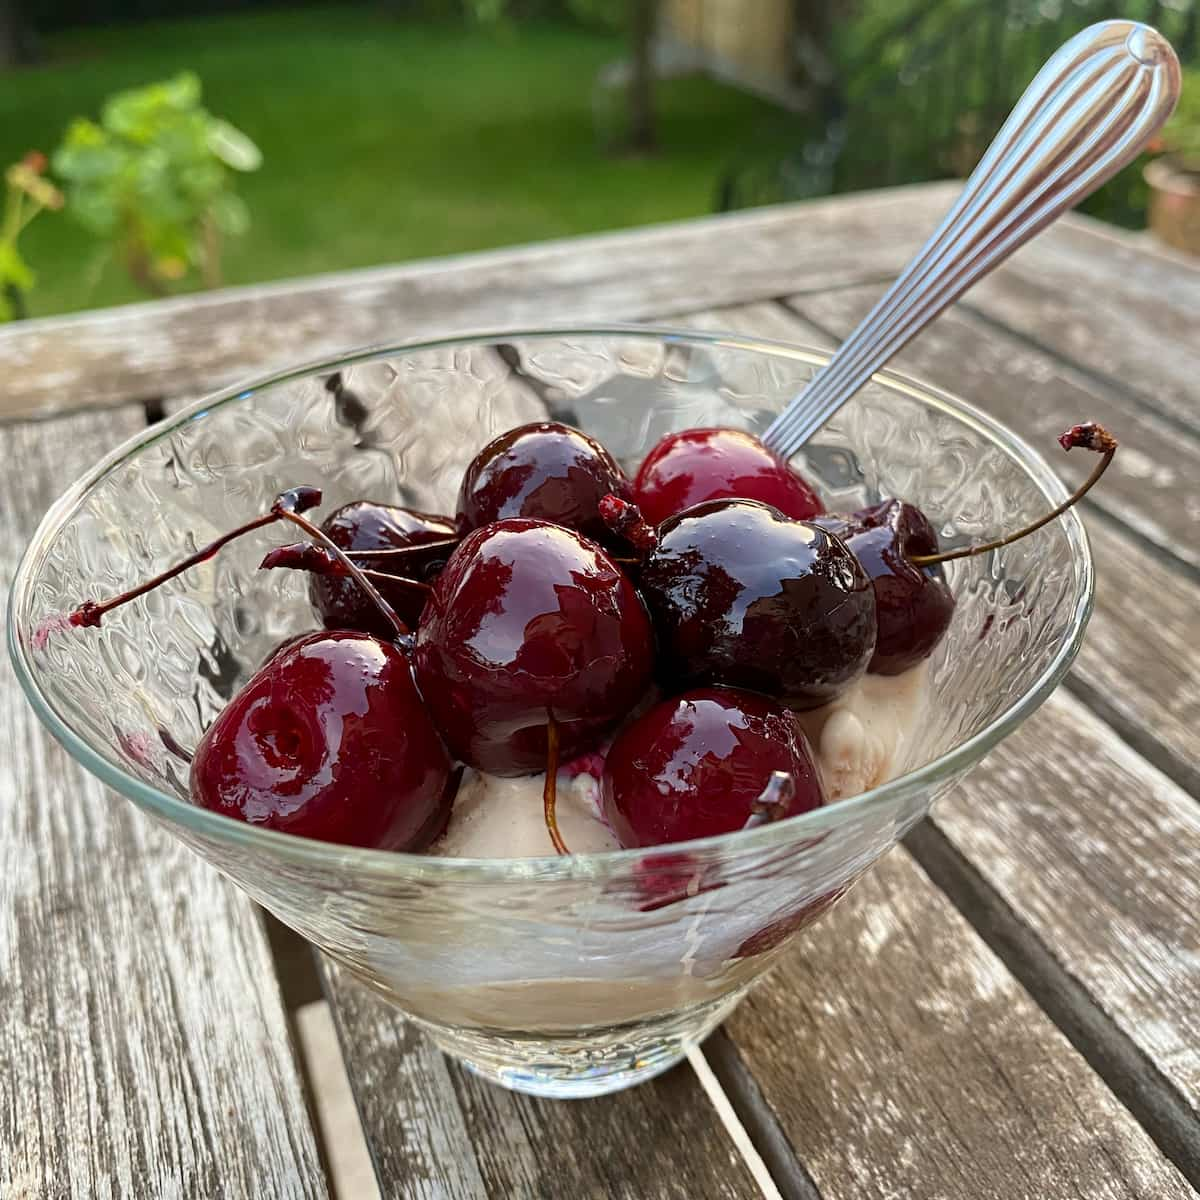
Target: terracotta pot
x=1175 y=203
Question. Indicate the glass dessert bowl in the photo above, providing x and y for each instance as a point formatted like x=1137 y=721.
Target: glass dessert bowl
x=568 y=975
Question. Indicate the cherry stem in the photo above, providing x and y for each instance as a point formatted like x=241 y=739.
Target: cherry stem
x=91 y=612
x=626 y=521
x=550 y=787
x=360 y=577
x=1088 y=435
x=399 y=551
x=316 y=560
x=403 y=580
x=288 y=506
x=165 y=736
x=773 y=801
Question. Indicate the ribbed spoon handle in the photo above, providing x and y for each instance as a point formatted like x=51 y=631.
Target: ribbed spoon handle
x=1089 y=111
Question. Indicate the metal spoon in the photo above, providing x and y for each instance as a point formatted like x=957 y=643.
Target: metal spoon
x=1090 y=110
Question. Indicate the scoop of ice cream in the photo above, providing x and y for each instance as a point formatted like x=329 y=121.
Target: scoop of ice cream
x=502 y=818
x=865 y=737
x=861 y=740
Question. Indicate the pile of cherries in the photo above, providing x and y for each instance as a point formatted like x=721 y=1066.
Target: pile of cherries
x=560 y=599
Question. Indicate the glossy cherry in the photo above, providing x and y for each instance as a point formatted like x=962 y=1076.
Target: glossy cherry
x=329 y=740
x=743 y=596
x=365 y=525
x=693 y=766
x=546 y=471
x=694 y=465
x=913 y=605
x=898 y=549
x=528 y=620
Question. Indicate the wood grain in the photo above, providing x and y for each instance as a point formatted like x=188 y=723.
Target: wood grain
x=1141 y=661
x=896 y=1052
x=901 y=1058
x=1111 y=908
x=435 y=1130
x=196 y=344
x=1097 y=856
x=144 y=1045
x=1111 y=304
x=1153 y=486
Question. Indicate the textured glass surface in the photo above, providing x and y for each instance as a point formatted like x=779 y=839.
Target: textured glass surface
x=563 y=976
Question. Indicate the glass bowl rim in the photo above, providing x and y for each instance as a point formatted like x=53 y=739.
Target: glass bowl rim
x=575 y=867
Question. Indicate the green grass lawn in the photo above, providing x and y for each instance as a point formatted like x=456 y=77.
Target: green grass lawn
x=383 y=140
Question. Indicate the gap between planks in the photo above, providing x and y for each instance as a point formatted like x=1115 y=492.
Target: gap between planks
x=1129 y=1073
x=1141 y=521
x=1117 y=1053
x=348 y=1155
x=352 y=1173
x=1073 y=1038
x=1100 y=503
x=733 y=1124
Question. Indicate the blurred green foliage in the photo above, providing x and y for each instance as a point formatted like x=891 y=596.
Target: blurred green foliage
x=1181 y=134
x=593 y=14
x=920 y=87
x=383 y=139
x=27 y=193
x=154 y=179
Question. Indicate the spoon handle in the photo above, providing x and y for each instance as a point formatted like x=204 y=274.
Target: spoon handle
x=1089 y=111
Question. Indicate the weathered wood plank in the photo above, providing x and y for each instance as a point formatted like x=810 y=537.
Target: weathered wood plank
x=1111 y=304
x=1141 y=660
x=1153 y=485
x=198 y=343
x=1140 y=664
x=351 y=1171
x=901 y=1058
x=1123 y=925
x=144 y=1044
x=732 y=278
x=1097 y=855
x=1052 y=1084
x=435 y=1130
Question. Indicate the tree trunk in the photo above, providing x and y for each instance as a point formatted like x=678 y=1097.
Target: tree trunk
x=643 y=23
x=16 y=302
x=14 y=41
x=814 y=65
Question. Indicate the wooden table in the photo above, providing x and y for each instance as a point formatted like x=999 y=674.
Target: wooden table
x=1008 y=1006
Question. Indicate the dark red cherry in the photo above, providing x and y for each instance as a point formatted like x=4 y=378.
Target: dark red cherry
x=526 y=620
x=365 y=525
x=693 y=766
x=712 y=464
x=778 y=931
x=329 y=740
x=913 y=605
x=740 y=595
x=547 y=471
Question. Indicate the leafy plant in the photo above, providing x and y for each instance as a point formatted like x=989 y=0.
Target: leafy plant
x=1181 y=134
x=155 y=179
x=26 y=193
